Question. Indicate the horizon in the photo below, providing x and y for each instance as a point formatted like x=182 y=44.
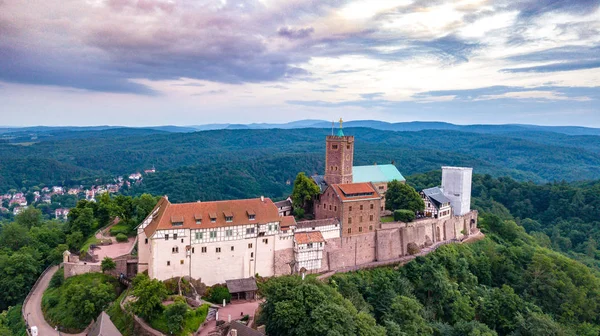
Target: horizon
x=162 y=62
x=288 y=122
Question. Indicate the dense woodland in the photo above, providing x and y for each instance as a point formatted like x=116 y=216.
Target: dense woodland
x=506 y=284
x=269 y=158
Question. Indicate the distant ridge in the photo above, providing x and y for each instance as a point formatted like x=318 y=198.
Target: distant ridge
x=413 y=126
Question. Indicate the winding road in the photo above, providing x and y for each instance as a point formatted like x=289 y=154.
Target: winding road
x=33 y=308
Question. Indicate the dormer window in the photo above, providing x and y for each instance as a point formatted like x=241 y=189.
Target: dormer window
x=228 y=216
x=177 y=220
x=198 y=218
x=213 y=217
x=251 y=215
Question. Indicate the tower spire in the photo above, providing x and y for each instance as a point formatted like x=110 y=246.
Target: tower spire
x=341 y=132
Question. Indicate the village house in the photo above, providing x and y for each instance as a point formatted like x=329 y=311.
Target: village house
x=57 y=190
x=61 y=213
x=284 y=207
x=135 y=176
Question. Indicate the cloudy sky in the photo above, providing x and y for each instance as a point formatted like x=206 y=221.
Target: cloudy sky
x=183 y=62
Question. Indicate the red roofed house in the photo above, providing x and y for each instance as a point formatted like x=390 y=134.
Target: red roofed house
x=213 y=241
x=308 y=250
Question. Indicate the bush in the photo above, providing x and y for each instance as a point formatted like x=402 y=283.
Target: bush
x=405 y=216
x=119 y=229
x=121 y=238
x=413 y=248
x=217 y=293
x=57 y=279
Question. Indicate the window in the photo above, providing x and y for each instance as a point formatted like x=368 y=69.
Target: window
x=266 y=241
x=218 y=250
x=175 y=236
x=251 y=217
x=361 y=207
x=229 y=233
x=213 y=234
x=146 y=241
x=360 y=229
x=349 y=220
x=347 y=146
x=349 y=230
x=193 y=250
x=199 y=235
x=270 y=227
x=329 y=207
x=168 y=263
x=251 y=254
x=382 y=208
x=229 y=219
x=175 y=249
x=310 y=245
x=181 y=240
x=334 y=146
x=381 y=187
x=166 y=237
x=250 y=245
x=370 y=218
x=325 y=206
x=350 y=208
x=198 y=221
x=276 y=227
x=250 y=231
x=213 y=220
x=335 y=208
x=232 y=248
x=181 y=262
x=360 y=219
x=372 y=206
x=203 y=249
x=370 y=227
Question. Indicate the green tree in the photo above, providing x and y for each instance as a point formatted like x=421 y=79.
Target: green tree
x=30 y=217
x=150 y=294
x=402 y=196
x=14 y=236
x=108 y=264
x=304 y=193
x=75 y=240
x=175 y=316
x=367 y=326
x=86 y=302
x=406 y=216
x=408 y=314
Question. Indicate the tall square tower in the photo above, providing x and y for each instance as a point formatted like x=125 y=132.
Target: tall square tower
x=456 y=185
x=339 y=158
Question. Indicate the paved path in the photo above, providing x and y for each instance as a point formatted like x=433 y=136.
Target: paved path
x=33 y=308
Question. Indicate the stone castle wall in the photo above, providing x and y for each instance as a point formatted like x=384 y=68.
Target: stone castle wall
x=72 y=269
x=391 y=241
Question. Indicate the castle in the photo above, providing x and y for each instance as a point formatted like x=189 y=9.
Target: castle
x=225 y=240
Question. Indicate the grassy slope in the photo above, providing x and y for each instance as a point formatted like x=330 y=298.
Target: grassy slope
x=193 y=320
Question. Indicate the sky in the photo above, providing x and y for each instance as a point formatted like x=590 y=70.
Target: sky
x=182 y=62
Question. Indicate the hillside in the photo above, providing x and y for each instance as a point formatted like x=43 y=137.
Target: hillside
x=531 y=156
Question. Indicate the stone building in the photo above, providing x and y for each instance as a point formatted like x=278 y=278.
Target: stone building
x=339 y=156
x=356 y=205
x=379 y=176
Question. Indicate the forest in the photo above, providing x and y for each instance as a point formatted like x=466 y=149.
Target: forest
x=89 y=157
x=506 y=284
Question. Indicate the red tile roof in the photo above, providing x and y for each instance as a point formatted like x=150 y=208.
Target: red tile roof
x=288 y=221
x=308 y=237
x=265 y=212
x=365 y=191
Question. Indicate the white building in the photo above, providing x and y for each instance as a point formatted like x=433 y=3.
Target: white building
x=213 y=241
x=437 y=205
x=308 y=250
x=456 y=185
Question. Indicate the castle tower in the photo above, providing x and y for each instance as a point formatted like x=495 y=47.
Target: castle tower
x=339 y=157
x=456 y=185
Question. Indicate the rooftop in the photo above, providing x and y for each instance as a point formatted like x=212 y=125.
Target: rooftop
x=436 y=195
x=308 y=237
x=376 y=173
x=355 y=191
x=104 y=327
x=241 y=285
x=212 y=214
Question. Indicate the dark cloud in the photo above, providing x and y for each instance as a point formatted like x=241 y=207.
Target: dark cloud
x=295 y=33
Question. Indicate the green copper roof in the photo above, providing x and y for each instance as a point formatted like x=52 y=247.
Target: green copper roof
x=376 y=173
x=340 y=133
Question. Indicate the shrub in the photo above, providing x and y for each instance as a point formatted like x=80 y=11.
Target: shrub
x=217 y=293
x=57 y=279
x=404 y=216
x=413 y=248
x=119 y=229
x=172 y=286
x=175 y=315
x=121 y=238
x=108 y=264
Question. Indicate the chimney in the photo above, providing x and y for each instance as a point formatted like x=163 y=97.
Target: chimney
x=166 y=197
x=262 y=198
